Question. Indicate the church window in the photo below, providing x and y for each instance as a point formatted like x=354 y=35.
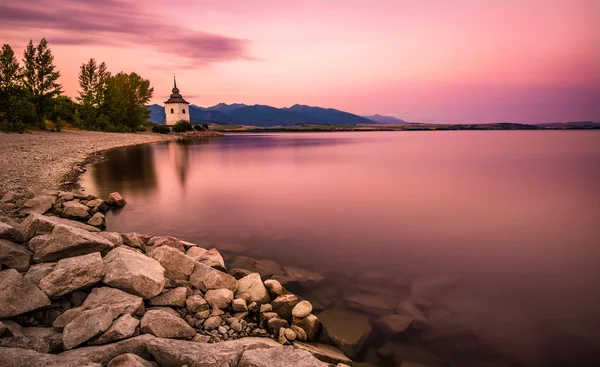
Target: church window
x=172 y=111
x=184 y=111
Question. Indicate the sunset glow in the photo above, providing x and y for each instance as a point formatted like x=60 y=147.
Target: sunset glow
x=463 y=61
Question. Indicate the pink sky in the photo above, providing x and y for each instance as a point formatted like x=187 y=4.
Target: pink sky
x=460 y=61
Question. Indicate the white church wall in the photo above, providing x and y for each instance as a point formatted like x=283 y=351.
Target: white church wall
x=180 y=112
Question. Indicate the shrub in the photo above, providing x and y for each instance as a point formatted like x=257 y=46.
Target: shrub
x=161 y=129
x=182 y=126
x=198 y=127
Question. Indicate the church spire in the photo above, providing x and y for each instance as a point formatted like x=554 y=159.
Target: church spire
x=174 y=82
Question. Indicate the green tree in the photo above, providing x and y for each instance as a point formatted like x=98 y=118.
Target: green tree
x=125 y=101
x=40 y=79
x=63 y=110
x=15 y=110
x=92 y=84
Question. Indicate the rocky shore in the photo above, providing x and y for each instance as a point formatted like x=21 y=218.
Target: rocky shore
x=41 y=160
x=72 y=294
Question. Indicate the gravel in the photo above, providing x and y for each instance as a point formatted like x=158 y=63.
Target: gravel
x=40 y=160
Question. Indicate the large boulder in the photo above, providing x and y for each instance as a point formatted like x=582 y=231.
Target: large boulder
x=18 y=295
x=130 y=360
x=212 y=258
x=113 y=237
x=266 y=268
x=177 y=265
x=219 y=298
x=37 y=272
x=134 y=240
x=324 y=352
x=105 y=353
x=164 y=324
x=252 y=289
x=159 y=241
x=14 y=256
x=66 y=241
x=86 y=326
x=302 y=309
x=349 y=330
x=205 y=277
x=279 y=357
x=75 y=210
x=283 y=305
x=175 y=297
x=37 y=205
x=274 y=288
x=73 y=273
x=17 y=357
x=10 y=233
x=66 y=317
x=119 y=302
x=36 y=224
x=133 y=272
x=195 y=252
x=175 y=353
x=121 y=328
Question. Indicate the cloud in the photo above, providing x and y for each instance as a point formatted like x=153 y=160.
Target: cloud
x=116 y=22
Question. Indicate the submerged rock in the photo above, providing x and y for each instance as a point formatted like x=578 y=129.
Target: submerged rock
x=133 y=272
x=18 y=295
x=266 y=268
x=369 y=304
x=392 y=324
x=350 y=331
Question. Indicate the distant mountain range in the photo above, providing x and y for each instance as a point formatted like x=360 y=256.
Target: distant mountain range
x=267 y=116
x=385 y=119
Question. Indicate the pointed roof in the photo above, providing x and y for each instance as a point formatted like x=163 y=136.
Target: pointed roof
x=175 y=96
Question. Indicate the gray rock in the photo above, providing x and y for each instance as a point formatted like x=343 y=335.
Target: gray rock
x=164 y=324
x=119 y=302
x=18 y=295
x=219 y=298
x=195 y=252
x=369 y=304
x=212 y=258
x=14 y=256
x=121 y=328
x=116 y=200
x=68 y=241
x=212 y=323
x=159 y=241
x=73 y=273
x=206 y=278
x=134 y=240
x=98 y=220
x=10 y=233
x=302 y=309
x=283 y=305
x=239 y=305
x=350 y=331
x=37 y=205
x=274 y=288
x=133 y=272
x=36 y=224
x=392 y=324
x=310 y=324
x=176 y=297
x=252 y=289
x=130 y=360
x=87 y=325
x=113 y=237
x=324 y=352
x=279 y=357
x=177 y=265
x=196 y=303
x=75 y=210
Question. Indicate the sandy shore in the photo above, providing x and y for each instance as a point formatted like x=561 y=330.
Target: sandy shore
x=40 y=160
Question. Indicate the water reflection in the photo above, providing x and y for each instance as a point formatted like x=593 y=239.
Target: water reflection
x=493 y=235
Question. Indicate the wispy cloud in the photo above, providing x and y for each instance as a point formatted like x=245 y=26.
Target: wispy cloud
x=116 y=22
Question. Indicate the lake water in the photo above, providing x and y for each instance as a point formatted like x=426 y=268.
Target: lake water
x=494 y=234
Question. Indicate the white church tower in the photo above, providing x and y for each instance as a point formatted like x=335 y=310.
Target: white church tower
x=176 y=108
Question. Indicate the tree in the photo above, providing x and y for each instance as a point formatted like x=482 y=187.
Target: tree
x=92 y=84
x=125 y=101
x=15 y=110
x=40 y=79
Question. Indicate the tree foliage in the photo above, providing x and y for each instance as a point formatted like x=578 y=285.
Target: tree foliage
x=15 y=107
x=182 y=126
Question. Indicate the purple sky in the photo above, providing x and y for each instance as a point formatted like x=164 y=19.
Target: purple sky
x=461 y=61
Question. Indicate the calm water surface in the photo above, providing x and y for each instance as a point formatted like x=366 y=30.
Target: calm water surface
x=496 y=233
